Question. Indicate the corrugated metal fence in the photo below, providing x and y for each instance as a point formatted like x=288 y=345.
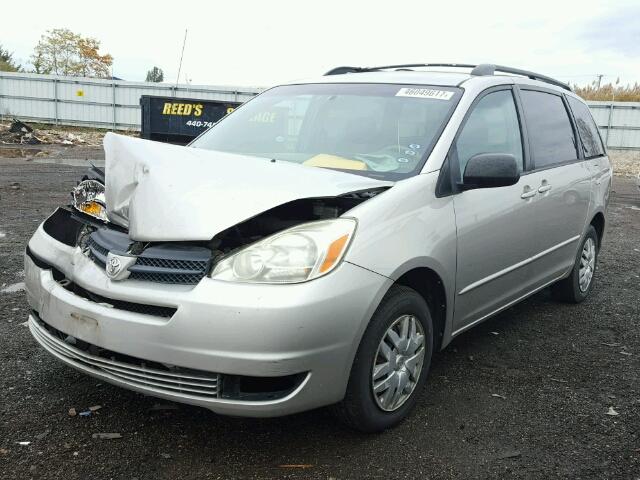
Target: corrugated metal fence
x=94 y=102
x=116 y=103
x=619 y=123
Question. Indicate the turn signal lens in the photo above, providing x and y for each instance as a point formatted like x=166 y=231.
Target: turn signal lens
x=92 y=208
x=334 y=253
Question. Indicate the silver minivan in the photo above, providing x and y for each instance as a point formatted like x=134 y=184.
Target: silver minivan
x=320 y=243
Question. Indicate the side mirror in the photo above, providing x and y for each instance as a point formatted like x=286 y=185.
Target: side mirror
x=488 y=170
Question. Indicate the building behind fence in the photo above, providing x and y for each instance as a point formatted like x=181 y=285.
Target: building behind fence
x=115 y=104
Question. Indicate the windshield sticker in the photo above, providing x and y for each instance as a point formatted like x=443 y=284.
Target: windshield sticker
x=424 y=93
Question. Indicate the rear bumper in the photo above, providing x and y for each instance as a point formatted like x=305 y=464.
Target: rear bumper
x=312 y=329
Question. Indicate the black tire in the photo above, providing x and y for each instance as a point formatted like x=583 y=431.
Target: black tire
x=568 y=289
x=359 y=409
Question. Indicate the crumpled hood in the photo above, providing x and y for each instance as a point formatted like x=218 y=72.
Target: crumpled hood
x=163 y=192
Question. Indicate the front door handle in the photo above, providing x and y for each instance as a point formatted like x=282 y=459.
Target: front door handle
x=544 y=188
x=528 y=193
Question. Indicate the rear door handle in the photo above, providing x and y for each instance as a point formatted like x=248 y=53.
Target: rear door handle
x=544 y=188
x=528 y=193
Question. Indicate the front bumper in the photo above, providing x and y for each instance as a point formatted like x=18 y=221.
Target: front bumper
x=312 y=329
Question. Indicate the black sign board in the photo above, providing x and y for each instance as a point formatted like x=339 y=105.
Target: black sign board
x=180 y=120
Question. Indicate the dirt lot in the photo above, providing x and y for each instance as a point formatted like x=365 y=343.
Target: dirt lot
x=557 y=368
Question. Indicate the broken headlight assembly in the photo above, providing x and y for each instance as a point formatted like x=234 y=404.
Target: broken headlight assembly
x=88 y=197
x=295 y=255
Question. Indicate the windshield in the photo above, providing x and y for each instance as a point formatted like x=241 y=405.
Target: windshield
x=379 y=130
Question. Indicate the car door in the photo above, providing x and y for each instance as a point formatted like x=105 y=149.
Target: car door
x=561 y=180
x=594 y=152
x=495 y=235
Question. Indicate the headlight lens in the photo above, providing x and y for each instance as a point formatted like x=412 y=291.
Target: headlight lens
x=295 y=255
x=88 y=197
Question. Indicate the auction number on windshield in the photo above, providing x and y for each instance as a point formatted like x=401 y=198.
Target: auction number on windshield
x=200 y=123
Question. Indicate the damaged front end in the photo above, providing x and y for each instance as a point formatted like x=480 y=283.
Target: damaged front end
x=187 y=262
x=164 y=294
x=126 y=221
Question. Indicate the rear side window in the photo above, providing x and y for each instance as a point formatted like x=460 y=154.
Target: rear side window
x=492 y=127
x=551 y=137
x=587 y=129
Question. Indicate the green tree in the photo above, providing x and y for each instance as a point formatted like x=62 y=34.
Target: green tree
x=155 y=75
x=7 y=63
x=62 y=52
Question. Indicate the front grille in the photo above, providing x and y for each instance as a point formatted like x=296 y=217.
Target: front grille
x=166 y=270
x=154 y=310
x=97 y=252
x=144 y=309
x=136 y=372
x=162 y=263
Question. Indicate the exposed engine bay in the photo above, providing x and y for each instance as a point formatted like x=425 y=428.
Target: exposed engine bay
x=172 y=214
x=89 y=229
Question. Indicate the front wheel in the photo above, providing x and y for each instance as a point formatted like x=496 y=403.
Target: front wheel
x=391 y=365
x=576 y=287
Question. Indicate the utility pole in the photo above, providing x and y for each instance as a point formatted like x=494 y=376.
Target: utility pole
x=184 y=42
x=599 y=80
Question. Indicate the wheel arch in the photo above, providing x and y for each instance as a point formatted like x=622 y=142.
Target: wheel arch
x=430 y=285
x=598 y=222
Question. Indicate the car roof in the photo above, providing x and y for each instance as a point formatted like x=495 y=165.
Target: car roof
x=434 y=78
x=450 y=79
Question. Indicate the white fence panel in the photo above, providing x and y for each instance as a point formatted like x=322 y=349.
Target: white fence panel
x=115 y=104
x=94 y=102
x=619 y=123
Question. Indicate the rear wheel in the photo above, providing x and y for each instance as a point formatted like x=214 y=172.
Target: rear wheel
x=391 y=364
x=576 y=287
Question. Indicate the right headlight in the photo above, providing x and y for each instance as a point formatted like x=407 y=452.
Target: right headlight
x=298 y=254
x=88 y=197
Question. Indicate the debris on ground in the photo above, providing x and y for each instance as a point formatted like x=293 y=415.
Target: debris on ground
x=13 y=288
x=509 y=454
x=17 y=132
x=42 y=435
x=612 y=412
x=86 y=413
x=24 y=444
x=106 y=436
x=72 y=412
x=19 y=127
x=95 y=408
x=496 y=395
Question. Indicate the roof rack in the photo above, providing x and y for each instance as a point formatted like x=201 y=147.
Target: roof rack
x=477 y=70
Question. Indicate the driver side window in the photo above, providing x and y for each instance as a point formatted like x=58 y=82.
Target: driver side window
x=492 y=127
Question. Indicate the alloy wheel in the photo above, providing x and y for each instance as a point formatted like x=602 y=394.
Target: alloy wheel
x=398 y=363
x=587 y=264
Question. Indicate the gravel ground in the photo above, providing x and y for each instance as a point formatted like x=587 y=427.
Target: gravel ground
x=556 y=368
x=625 y=162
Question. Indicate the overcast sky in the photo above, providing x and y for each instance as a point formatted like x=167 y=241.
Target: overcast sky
x=263 y=42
